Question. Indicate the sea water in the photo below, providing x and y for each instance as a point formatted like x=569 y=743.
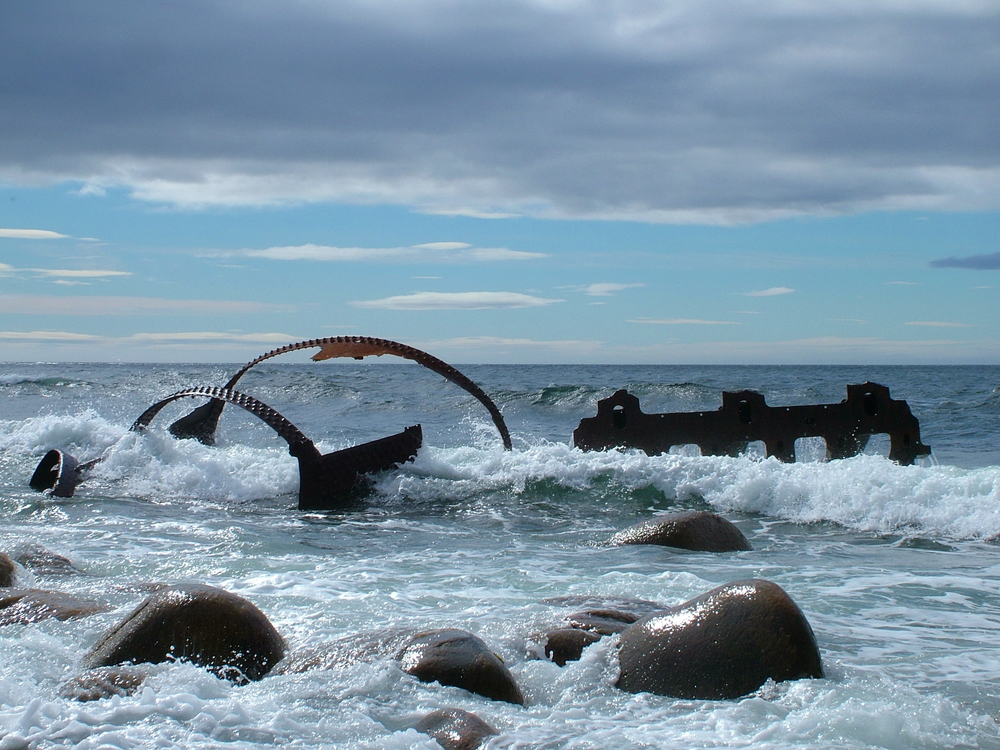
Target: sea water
x=896 y=568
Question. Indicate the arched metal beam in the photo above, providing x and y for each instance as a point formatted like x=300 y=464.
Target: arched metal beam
x=203 y=421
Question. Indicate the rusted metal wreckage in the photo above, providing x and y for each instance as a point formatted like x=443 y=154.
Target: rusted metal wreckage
x=331 y=481
x=744 y=417
x=326 y=482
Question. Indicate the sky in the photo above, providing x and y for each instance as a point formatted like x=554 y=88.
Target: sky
x=501 y=181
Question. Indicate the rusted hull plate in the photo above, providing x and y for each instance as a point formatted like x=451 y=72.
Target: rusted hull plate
x=744 y=417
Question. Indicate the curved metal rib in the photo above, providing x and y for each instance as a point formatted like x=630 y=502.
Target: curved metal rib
x=202 y=422
x=298 y=444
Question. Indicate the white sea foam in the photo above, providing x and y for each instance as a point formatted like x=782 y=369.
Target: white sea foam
x=865 y=493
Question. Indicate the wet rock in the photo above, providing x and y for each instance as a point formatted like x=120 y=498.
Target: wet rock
x=344 y=652
x=455 y=729
x=42 y=561
x=23 y=606
x=580 y=629
x=567 y=644
x=695 y=530
x=723 y=644
x=105 y=682
x=8 y=571
x=448 y=656
x=602 y=621
x=207 y=626
x=642 y=606
x=459 y=658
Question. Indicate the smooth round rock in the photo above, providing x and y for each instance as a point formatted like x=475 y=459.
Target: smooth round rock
x=207 y=626
x=567 y=644
x=723 y=644
x=695 y=530
x=455 y=729
x=461 y=659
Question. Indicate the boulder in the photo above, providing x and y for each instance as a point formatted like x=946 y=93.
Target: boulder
x=455 y=729
x=23 y=606
x=207 y=626
x=459 y=658
x=567 y=644
x=448 y=656
x=105 y=682
x=42 y=561
x=723 y=644
x=696 y=530
x=8 y=571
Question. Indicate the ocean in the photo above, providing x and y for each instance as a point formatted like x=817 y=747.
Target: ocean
x=897 y=568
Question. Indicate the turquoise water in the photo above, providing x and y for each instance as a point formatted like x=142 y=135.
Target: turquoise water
x=897 y=568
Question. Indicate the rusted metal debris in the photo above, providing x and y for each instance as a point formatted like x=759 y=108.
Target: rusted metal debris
x=201 y=423
x=745 y=417
x=326 y=482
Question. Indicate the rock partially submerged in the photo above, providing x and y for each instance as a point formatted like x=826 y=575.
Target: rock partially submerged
x=207 y=626
x=723 y=644
x=455 y=729
x=694 y=530
x=24 y=606
x=449 y=656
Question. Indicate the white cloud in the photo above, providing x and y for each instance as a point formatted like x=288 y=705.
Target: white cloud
x=774 y=291
x=32 y=234
x=685 y=322
x=938 y=324
x=456 y=301
x=431 y=252
x=79 y=274
x=46 y=336
x=605 y=289
x=44 y=304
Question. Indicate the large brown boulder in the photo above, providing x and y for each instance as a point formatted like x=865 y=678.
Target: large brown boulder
x=455 y=729
x=695 y=530
x=207 y=626
x=723 y=644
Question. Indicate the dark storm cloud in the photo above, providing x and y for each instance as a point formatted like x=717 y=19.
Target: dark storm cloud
x=715 y=111
x=989 y=262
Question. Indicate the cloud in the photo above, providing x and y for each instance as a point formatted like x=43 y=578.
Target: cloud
x=686 y=111
x=44 y=336
x=44 y=304
x=431 y=252
x=456 y=301
x=78 y=274
x=184 y=337
x=988 y=262
x=774 y=291
x=605 y=289
x=938 y=324
x=685 y=322
x=32 y=234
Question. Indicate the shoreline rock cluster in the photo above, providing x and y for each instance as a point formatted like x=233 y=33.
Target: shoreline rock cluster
x=721 y=645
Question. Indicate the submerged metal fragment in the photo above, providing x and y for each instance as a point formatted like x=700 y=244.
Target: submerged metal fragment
x=745 y=417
